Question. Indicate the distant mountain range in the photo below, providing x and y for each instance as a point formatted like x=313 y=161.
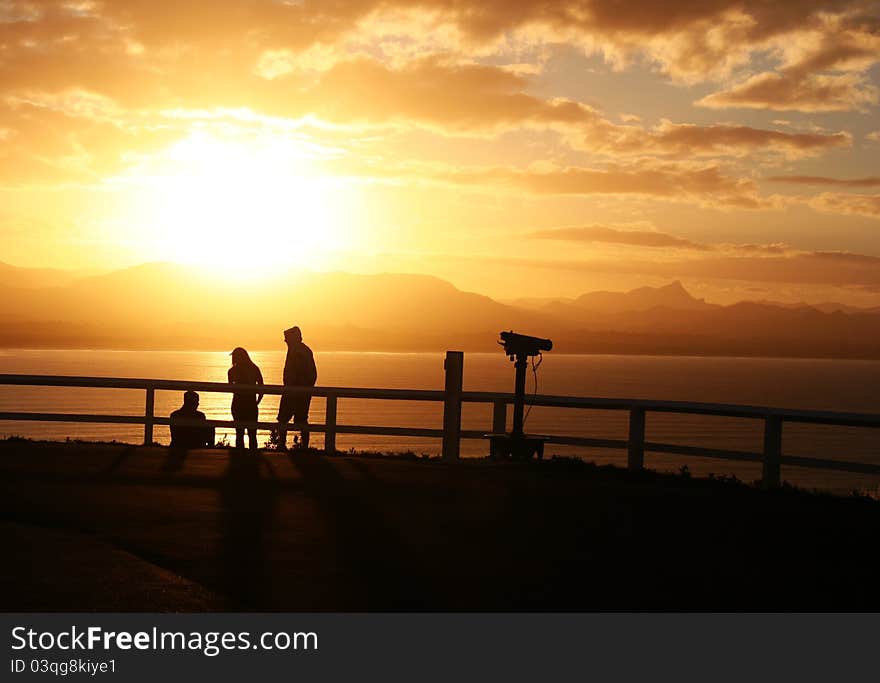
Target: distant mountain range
x=673 y=295
x=13 y=276
x=825 y=307
x=160 y=305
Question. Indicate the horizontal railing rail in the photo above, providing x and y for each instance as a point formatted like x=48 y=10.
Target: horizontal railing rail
x=453 y=397
x=183 y=385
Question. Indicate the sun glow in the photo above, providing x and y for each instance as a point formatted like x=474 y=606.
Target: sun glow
x=243 y=208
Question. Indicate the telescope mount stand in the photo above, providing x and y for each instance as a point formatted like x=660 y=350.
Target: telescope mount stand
x=516 y=445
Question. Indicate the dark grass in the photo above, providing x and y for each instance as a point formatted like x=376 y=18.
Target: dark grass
x=406 y=531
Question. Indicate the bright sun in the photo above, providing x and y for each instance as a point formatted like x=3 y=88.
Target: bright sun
x=242 y=208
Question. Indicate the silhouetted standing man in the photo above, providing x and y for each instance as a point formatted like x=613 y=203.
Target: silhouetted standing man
x=299 y=371
x=190 y=436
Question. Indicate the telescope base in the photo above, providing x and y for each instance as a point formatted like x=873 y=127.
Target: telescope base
x=510 y=447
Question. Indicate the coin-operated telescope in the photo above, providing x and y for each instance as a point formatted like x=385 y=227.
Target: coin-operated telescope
x=519 y=348
x=522 y=345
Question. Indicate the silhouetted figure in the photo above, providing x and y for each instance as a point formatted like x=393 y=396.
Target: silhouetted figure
x=299 y=371
x=190 y=436
x=245 y=405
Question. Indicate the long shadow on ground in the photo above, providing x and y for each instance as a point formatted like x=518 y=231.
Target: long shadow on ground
x=248 y=503
x=368 y=546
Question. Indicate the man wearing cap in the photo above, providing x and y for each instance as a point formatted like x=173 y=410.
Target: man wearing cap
x=299 y=371
x=190 y=436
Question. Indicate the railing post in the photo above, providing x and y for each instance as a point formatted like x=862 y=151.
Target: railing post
x=635 y=456
x=499 y=417
x=772 y=450
x=148 y=416
x=330 y=426
x=454 y=367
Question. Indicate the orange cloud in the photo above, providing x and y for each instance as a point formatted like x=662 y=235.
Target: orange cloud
x=685 y=139
x=854 y=204
x=822 y=69
x=46 y=145
x=450 y=96
x=488 y=97
x=688 y=40
x=807 y=92
x=693 y=183
x=705 y=184
x=143 y=56
x=364 y=92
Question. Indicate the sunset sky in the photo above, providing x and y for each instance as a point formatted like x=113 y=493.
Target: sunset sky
x=513 y=147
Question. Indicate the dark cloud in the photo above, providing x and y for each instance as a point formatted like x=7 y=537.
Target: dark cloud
x=760 y=248
x=649 y=238
x=605 y=234
x=805 y=268
x=823 y=180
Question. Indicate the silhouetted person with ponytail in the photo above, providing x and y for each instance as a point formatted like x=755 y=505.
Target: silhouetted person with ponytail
x=245 y=406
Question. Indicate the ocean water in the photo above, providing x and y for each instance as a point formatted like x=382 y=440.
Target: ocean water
x=840 y=385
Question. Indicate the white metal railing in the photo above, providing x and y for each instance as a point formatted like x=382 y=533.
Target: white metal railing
x=453 y=397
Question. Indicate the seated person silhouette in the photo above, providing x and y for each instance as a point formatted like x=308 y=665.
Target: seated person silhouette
x=190 y=436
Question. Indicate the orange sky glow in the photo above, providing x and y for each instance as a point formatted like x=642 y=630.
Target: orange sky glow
x=515 y=148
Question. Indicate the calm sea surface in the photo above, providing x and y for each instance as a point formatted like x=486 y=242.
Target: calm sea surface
x=812 y=384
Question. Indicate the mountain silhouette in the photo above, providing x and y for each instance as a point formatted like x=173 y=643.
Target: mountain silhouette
x=161 y=305
x=168 y=306
x=673 y=296
x=16 y=277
